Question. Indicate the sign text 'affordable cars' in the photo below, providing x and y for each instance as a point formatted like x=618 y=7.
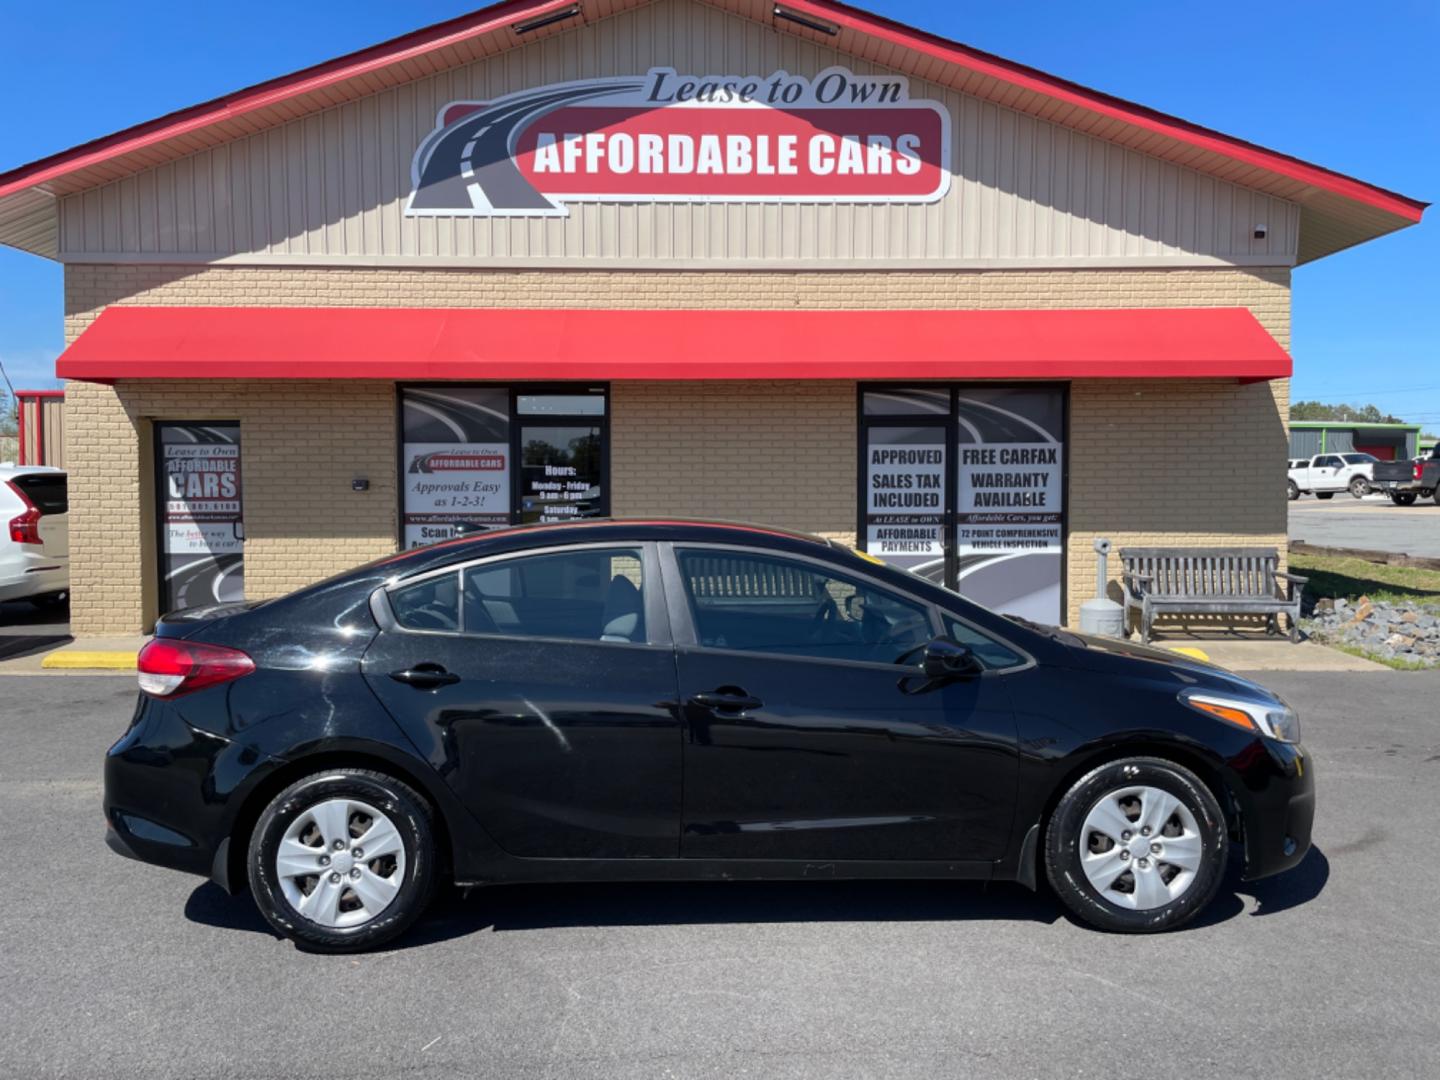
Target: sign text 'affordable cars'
x=839 y=137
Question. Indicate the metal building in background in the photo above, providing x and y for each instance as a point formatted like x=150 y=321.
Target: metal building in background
x=1388 y=442
x=41 y=427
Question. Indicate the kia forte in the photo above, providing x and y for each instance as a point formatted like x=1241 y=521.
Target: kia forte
x=684 y=700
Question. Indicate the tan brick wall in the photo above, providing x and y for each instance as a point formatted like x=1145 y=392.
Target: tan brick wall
x=1152 y=461
x=1172 y=463
x=301 y=445
x=781 y=453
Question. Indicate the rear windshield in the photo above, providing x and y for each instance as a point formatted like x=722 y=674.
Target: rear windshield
x=45 y=490
x=1360 y=459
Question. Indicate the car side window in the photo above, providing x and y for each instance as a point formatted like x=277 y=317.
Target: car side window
x=990 y=652
x=771 y=604
x=432 y=604
x=586 y=595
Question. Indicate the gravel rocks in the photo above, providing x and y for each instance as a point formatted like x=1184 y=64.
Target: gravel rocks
x=1381 y=630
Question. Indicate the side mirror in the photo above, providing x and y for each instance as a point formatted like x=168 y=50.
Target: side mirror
x=946 y=658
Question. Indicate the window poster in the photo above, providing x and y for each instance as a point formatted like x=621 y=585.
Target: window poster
x=455 y=458
x=202 y=523
x=1010 y=511
x=905 y=497
x=560 y=472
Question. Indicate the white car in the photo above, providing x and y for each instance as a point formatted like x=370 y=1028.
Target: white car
x=1325 y=474
x=34 y=546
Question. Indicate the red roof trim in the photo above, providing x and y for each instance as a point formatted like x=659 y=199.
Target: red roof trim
x=1108 y=105
x=491 y=18
x=507 y=344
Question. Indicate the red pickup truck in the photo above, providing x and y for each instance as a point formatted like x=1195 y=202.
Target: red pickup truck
x=1406 y=481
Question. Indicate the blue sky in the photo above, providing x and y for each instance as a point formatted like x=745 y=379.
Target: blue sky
x=1352 y=93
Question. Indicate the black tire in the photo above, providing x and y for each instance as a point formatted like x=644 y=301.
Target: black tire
x=1359 y=487
x=412 y=817
x=1403 y=498
x=1325 y=495
x=1063 y=846
x=51 y=601
x=1291 y=491
x=1436 y=496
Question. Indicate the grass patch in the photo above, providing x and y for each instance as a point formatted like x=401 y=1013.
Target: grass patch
x=1354 y=578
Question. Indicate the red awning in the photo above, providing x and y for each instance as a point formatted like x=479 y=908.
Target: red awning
x=508 y=344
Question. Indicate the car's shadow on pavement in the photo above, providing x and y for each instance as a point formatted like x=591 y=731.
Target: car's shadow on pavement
x=1271 y=895
x=535 y=907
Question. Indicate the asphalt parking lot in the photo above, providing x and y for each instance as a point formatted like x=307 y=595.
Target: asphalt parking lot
x=25 y=629
x=1373 y=523
x=113 y=969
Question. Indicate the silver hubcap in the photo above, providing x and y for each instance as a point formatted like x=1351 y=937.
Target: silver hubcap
x=340 y=863
x=1140 y=847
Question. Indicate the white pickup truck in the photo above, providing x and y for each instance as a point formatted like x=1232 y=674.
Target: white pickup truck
x=1325 y=474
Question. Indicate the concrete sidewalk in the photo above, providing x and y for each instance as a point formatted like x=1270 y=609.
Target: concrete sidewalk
x=1266 y=654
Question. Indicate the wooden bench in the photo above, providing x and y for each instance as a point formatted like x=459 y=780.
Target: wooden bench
x=1209 y=581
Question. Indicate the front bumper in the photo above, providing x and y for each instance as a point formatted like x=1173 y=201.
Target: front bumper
x=172 y=792
x=1278 y=803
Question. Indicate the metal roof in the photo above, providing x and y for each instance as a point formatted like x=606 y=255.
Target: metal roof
x=1336 y=210
x=1352 y=424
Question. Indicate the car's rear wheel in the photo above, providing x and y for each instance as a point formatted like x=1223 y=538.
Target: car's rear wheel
x=1359 y=487
x=1403 y=498
x=1136 y=846
x=343 y=860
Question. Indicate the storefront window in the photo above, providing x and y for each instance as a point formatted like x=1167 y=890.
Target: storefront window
x=455 y=454
x=483 y=457
x=202 y=526
x=969 y=494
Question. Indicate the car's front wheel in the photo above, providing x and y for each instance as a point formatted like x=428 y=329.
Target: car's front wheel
x=1292 y=491
x=343 y=860
x=1136 y=846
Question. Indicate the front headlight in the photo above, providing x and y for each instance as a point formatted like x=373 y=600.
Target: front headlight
x=1275 y=720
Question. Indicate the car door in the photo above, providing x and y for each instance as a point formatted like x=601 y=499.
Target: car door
x=541 y=685
x=809 y=733
x=1328 y=473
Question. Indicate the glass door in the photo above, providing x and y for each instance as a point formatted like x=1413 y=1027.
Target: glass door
x=200 y=509
x=561 y=471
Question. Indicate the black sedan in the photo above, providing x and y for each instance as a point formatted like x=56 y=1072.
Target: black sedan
x=677 y=700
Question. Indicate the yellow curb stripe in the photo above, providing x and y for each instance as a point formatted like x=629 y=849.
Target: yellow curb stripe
x=77 y=658
x=1190 y=650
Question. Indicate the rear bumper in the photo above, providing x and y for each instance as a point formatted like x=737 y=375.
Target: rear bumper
x=39 y=578
x=172 y=792
x=1279 y=810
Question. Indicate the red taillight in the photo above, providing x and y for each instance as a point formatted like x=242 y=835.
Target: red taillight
x=1419 y=470
x=169 y=667
x=25 y=528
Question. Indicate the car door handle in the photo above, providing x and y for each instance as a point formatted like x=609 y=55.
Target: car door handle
x=426 y=677
x=726 y=700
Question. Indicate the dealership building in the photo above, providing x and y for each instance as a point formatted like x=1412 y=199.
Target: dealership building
x=788 y=263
